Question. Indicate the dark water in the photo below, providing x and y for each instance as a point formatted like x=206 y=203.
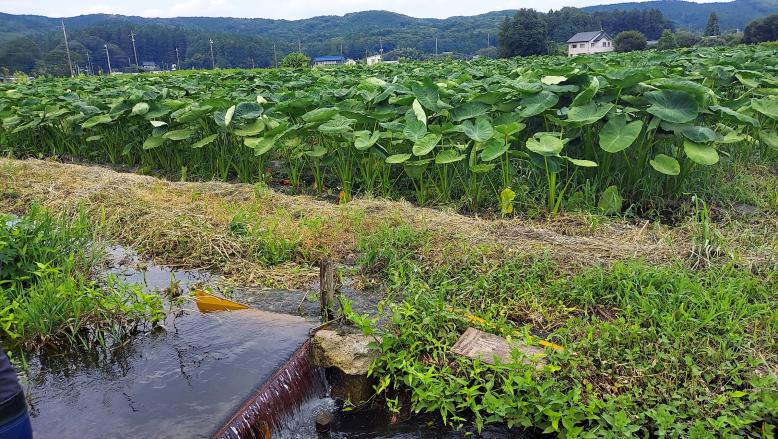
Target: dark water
x=187 y=379
x=183 y=381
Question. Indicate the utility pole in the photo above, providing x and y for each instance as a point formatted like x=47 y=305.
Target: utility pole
x=88 y=63
x=108 y=55
x=252 y=63
x=178 y=60
x=213 y=62
x=67 y=49
x=299 y=46
x=341 y=48
x=488 y=39
x=132 y=36
x=275 y=55
x=381 y=45
x=436 y=47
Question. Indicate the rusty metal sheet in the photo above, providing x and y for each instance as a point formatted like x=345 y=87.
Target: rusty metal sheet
x=475 y=343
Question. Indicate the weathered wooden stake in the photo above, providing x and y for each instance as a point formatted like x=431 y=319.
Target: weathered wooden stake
x=326 y=289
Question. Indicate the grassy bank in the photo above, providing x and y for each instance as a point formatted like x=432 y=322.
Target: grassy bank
x=49 y=293
x=669 y=330
x=662 y=351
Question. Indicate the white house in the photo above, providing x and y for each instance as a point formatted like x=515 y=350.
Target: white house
x=375 y=59
x=589 y=42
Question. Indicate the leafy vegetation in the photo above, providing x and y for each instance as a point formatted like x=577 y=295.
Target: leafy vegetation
x=48 y=296
x=486 y=134
x=648 y=351
x=762 y=29
x=34 y=43
x=629 y=41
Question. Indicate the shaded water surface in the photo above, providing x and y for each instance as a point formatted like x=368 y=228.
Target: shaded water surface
x=183 y=381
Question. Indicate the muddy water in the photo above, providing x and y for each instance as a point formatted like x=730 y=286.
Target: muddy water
x=183 y=381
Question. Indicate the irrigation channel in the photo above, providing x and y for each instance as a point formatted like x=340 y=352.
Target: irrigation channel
x=227 y=374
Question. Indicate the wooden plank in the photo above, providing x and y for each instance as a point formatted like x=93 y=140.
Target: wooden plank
x=475 y=343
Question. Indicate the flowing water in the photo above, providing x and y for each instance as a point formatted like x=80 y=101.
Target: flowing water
x=183 y=381
x=225 y=375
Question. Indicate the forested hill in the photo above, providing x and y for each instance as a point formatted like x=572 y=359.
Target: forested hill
x=30 y=42
x=693 y=16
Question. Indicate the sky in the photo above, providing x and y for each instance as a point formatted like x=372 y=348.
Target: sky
x=286 y=9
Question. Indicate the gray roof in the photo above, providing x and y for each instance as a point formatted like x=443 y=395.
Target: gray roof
x=583 y=37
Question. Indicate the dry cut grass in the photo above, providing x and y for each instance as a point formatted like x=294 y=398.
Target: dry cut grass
x=262 y=237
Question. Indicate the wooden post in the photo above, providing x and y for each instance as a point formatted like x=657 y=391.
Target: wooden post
x=326 y=289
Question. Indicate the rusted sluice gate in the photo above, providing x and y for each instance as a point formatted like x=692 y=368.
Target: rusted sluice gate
x=264 y=411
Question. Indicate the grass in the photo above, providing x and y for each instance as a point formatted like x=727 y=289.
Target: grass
x=664 y=351
x=664 y=336
x=49 y=296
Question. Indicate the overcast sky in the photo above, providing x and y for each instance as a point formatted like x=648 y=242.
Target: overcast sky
x=289 y=9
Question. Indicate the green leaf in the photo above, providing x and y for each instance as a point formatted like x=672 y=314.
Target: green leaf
x=699 y=134
x=666 y=165
x=672 y=105
x=585 y=96
x=546 y=145
x=366 y=141
x=202 y=142
x=153 y=142
x=589 y=113
x=337 y=125
x=581 y=163
x=506 y=201
x=414 y=130
x=427 y=95
x=469 y=111
x=397 y=158
x=320 y=114
x=494 y=149
x=96 y=120
x=538 y=103
x=228 y=116
x=260 y=145
x=553 y=80
x=618 y=135
x=480 y=131
x=426 y=144
x=248 y=111
x=140 y=109
x=610 y=201
x=251 y=129
x=178 y=134
x=767 y=105
x=701 y=154
x=740 y=117
x=421 y=116
x=769 y=138
x=448 y=156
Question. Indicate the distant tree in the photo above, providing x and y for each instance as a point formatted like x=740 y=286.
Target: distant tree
x=629 y=41
x=404 y=53
x=524 y=35
x=666 y=41
x=20 y=54
x=712 y=41
x=712 y=28
x=488 y=52
x=761 y=30
x=296 y=60
x=686 y=39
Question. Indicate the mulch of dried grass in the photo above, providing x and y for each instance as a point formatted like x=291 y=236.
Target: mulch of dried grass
x=187 y=224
